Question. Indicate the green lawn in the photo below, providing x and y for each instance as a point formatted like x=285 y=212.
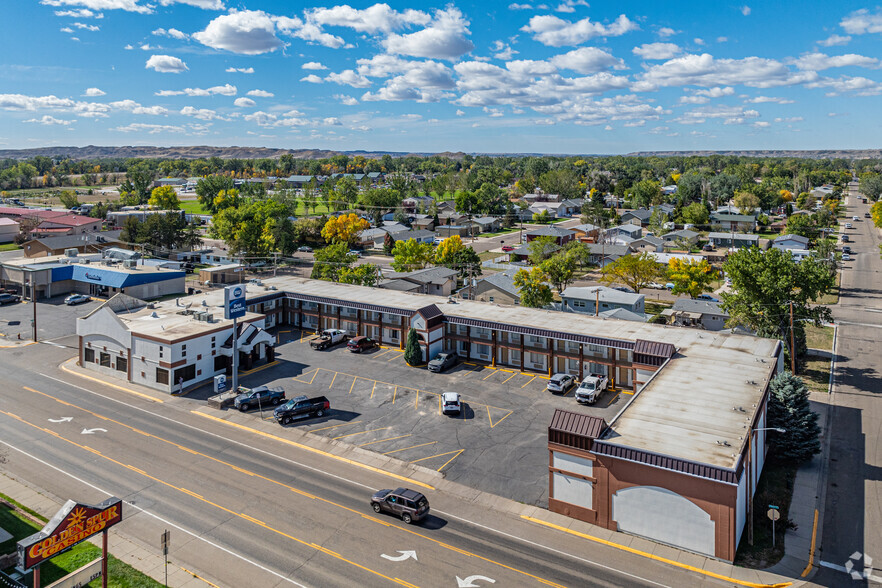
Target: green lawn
x=193 y=207
x=832 y=297
x=819 y=337
x=9 y=247
x=654 y=308
x=120 y=575
x=816 y=373
x=498 y=233
x=775 y=487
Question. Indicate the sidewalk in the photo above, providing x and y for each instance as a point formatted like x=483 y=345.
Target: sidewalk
x=145 y=559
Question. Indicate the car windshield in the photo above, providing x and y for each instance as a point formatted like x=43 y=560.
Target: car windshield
x=587 y=385
x=450 y=402
x=441 y=357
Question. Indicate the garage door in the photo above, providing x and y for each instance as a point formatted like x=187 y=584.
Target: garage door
x=663 y=516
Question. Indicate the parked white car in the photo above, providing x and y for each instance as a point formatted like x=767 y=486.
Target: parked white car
x=451 y=403
x=560 y=382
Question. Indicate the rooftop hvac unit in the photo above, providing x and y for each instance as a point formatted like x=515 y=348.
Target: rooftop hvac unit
x=85 y=261
x=130 y=263
x=209 y=318
x=71 y=252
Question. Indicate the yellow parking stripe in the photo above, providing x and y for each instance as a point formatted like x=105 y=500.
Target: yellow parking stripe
x=411 y=447
x=361 y=433
x=510 y=377
x=438 y=455
x=332 y=426
x=383 y=440
x=530 y=381
x=449 y=460
x=332 y=381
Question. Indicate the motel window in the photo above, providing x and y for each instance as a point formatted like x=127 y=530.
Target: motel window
x=104 y=359
x=536 y=358
x=393 y=333
x=184 y=350
x=483 y=350
x=89 y=355
x=188 y=372
x=161 y=376
x=595 y=348
x=491 y=299
x=579 y=303
x=122 y=364
x=213 y=342
x=160 y=352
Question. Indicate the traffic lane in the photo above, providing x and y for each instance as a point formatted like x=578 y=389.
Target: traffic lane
x=331 y=531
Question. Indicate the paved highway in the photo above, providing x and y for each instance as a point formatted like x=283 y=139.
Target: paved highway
x=247 y=511
x=853 y=512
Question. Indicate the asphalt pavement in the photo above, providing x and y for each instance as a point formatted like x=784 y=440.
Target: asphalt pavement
x=851 y=538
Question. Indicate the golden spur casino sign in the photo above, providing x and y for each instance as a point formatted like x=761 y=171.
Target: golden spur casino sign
x=72 y=524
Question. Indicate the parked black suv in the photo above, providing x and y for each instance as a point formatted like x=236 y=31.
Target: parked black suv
x=410 y=505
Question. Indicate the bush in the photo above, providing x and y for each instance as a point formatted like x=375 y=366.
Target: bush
x=413 y=355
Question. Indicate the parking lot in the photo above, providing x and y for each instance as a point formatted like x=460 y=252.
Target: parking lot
x=54 y=318
x=497 y=444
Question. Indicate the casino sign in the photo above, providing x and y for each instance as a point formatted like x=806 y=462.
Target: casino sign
x=72 y=524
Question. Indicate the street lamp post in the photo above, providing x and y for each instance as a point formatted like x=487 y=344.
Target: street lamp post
x=750 y=477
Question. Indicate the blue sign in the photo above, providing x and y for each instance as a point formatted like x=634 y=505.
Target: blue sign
x=234 y=301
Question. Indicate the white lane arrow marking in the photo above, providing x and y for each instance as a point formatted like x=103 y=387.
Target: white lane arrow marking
x=404 y=555
x=470 y=581
x=61 y=420
x=91 y=431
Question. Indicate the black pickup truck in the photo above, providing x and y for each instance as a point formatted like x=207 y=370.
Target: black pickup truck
x=258 y=397
x=301 y=406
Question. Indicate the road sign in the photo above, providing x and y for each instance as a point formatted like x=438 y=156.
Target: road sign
x=165 y=541
x=220 y=383
x=234 y=301
x=774 y=514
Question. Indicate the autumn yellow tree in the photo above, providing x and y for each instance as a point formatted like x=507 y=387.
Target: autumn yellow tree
x=786 y=195
x=690 y=277
x=344 y=228
x=164 y=198
x=448 y=249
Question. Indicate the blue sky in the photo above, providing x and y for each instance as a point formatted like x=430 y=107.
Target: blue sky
x=563 y=77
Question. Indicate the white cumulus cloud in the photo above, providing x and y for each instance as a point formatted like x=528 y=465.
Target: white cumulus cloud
x=260 y=93
x=94 y=92
x=166 y=64
x=821 y=61
x=346 y=100
x=374 y=19
x=249 y=32
x=313 y=65
x=204 y=4
x=312 y=79
x=444 y=38
x=587 y=60
x=834 y=40
x=244 y=70
x=556 y=32
x=244 y=102
x=658 y=51
x=861 y=22
x=348 y=77
x=225 y=90
x=173 y=33
x=127 y=5
x=49 y=120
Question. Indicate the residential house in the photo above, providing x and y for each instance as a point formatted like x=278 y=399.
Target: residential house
x=83 y=243
x=669 y=190
x=299 y=181
x=733 y=222
x=375 y=177
x=597 y=299
x=169 y=182
x=522 y=252
x=440 y=281
x=648 y=243
x=790 y=242
x=665 y=258
x=587 y=232
x=232 y=273
x=450 y=217
x=427 y=223
x=462 y=230
x=570 y=207
x=414 y=203
x=733 y=240
x=488 y=224
x=639 y=217
x=629 y=230
x=623 y=315
x=560 y=235
x=702 y=314
x=681 y=236
x=604 y=253
x=216 y=256
x=498 y=288
x=446 y=206
x=420 y=236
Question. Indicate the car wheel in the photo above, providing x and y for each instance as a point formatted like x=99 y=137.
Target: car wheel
x=243 y=407
x=376 y=506
x=276 y=401
x=319 y=413
x=407 y=518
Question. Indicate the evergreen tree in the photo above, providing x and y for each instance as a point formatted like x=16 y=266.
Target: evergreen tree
x=413 y=355
x=789 y=410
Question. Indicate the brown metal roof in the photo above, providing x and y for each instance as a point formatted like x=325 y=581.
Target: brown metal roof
x=665 y=462
x=430 y=312
x=616 y=343
x=577 y=423
x=654 y=349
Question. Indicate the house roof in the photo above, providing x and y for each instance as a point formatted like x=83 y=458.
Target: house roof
x=682 y=234
x=738 y=236
x=485 y=220
x=651 y=239
x=525 y=249
x=400 y=285
x=699 y=306
x=550 y=231
x=585 y=228
x=299 y=178
x=418 y=234
x=72 y=220
x=591 y=293
x=7 y=221
x=431 y=275
x=33 y=212
x=68 y=241
x=725 y=216
x=608 y=250
x=627 y=228
x=789 y=237
x=641 y=213
x=576 y=423
x=502 y=281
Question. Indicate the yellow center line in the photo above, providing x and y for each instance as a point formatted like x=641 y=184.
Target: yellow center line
x=361 y=433
x=411 y=447
x=332 y=426
x=530 y=381
x=332 y=381
x=654 y=557
x=325 y=500
x=384 y=440
x=449 y=460
x=195 y=575
x=102 y=382
x=437 y=455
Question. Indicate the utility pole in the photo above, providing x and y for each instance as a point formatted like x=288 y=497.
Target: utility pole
x=34 y=303
x=792 y=346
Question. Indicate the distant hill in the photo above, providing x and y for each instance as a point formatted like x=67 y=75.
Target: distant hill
x=806 y=154
x=206 y=151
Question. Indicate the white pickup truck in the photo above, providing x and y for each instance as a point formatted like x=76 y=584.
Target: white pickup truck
x=591 y=388
x=329 y=338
